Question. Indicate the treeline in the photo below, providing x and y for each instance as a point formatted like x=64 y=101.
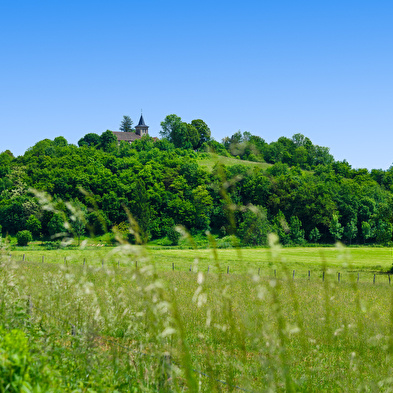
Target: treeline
x=161 y=184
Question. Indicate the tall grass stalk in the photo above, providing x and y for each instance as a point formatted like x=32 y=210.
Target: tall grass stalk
x=139 y=328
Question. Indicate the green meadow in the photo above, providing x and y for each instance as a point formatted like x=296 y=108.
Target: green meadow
x=134 y=324
x=242 y=260
x=213 y=160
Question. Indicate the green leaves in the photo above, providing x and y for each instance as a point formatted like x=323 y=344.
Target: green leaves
x=184 y=135
x=108 y=141
x=34 y=226
x=126 y=124
x=314 y=235
x=336 y=228
x=24 y=237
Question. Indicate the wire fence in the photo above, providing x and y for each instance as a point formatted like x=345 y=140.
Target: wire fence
x=300 y=275
x=364 y=277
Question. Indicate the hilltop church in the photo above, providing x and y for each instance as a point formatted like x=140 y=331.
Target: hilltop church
x=140 y=130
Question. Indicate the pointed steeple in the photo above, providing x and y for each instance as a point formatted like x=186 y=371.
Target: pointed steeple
x=142 y=129
x=141 y=121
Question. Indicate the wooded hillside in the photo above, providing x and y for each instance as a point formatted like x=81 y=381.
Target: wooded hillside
x=304 y=196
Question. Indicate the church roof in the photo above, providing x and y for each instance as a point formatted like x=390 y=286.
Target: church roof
x=141 y=122
x=126 y=136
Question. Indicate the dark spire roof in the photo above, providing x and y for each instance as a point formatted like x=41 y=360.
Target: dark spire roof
x=141 y=122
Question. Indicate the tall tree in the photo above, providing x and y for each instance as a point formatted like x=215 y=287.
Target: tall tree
x=314 y=235
x=108 y=141
x=203 y=131
x=351 y=230
x=367 y=230
x=77 y=218
x=336 y=228
x=56 y=226
x=383 y=232
x=173 y=129
x=254 y=227
x=141 y=209
x=34 y=226
x=296 y=231
x=191 y=136
x=126 y=124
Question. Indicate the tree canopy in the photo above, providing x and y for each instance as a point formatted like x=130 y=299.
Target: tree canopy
x=304 y=195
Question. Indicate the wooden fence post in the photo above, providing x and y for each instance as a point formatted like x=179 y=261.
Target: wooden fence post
x=339 y=277
x=228 y=270
x=374 y=279
x=309 y=274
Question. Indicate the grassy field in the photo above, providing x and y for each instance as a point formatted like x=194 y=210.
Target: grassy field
x=228 y=161
x=301 y=259
x=148 y=328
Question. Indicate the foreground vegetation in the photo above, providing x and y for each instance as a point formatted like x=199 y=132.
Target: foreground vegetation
x=146 y=328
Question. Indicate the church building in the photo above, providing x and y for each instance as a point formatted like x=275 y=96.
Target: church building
x=140 y=130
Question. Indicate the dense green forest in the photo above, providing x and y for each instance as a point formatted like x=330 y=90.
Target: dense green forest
x=304 y=196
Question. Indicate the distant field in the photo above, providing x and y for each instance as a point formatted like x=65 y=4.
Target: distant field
x=301 y=259
x=209 y=163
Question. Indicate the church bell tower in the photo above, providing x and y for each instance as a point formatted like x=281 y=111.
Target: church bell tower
x=142 y=129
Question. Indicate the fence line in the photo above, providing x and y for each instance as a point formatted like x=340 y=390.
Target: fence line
x=339 y=274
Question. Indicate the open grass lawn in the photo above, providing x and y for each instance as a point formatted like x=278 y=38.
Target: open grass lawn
x=229 y=161
x=301 y=259
x=248 y=330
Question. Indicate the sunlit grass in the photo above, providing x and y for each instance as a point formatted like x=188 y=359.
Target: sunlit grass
x=259 y=332
x=301 y=259
x=229 y=161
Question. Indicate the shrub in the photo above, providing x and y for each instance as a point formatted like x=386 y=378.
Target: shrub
x=174 y=236
x=14 y=359
x=228 y=242
x=24 y=237
x=20 y=372
x=252 y=157
x=52 y=245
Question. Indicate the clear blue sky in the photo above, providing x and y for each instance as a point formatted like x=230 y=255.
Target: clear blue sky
x=274 y=68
